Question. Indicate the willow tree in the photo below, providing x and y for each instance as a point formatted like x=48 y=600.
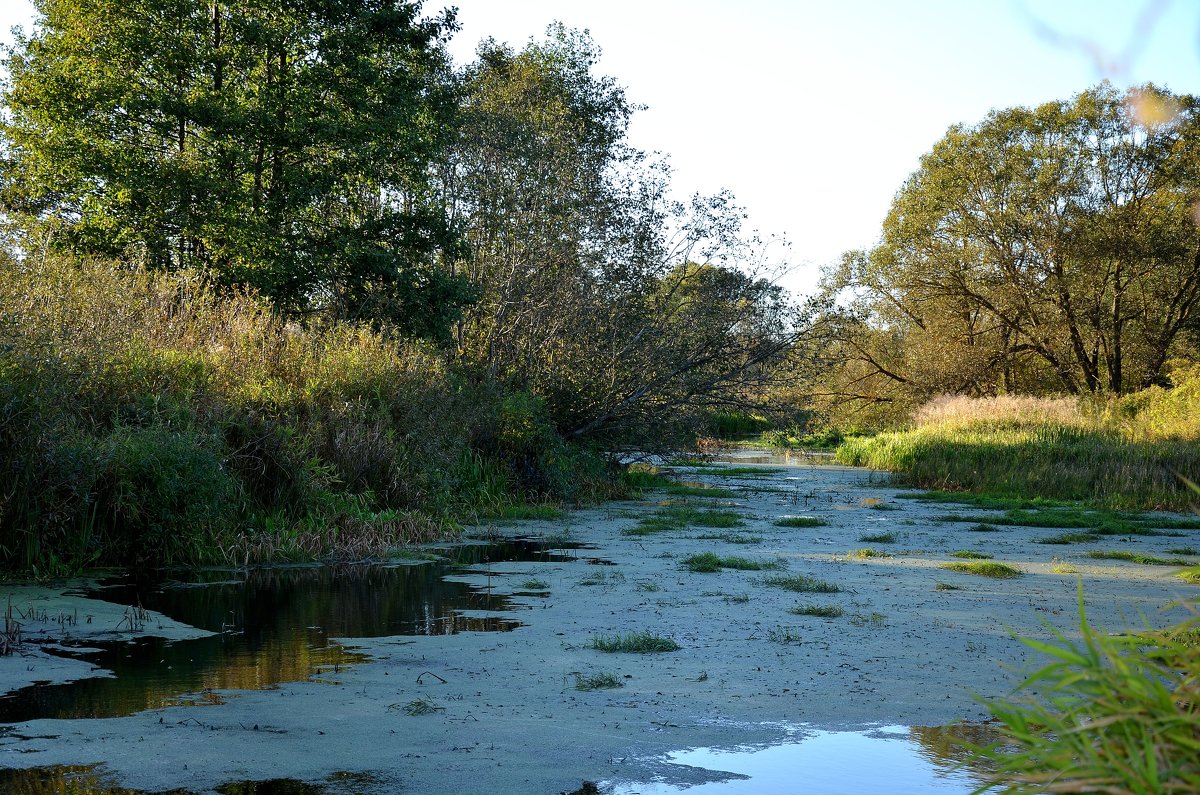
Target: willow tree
x=283 y=146
x=1045 y=249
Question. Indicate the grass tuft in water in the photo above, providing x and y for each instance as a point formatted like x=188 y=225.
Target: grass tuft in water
x=678 y=517
x=800 y=521
x=984 y=569
x=966 y=553
x=947 y=586
x=819 y=611
x=801 y=583
x=604 y=681
x=633 y=643
x=983 y=528
x=868 y=619
x=878 y=538
x=867 y=552
x=784 y=635
x=422 y=706
x=708 y=562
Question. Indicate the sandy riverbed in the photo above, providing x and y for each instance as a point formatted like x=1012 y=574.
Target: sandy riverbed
x=507 y=717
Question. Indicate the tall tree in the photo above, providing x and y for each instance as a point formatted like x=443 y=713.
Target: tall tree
x=628 y=312
x=1052 y=249
x=282 y=145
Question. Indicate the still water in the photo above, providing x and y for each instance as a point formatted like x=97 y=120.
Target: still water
x=272 y=625
x=897 y=760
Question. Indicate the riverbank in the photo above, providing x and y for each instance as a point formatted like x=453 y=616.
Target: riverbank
x=907 y=642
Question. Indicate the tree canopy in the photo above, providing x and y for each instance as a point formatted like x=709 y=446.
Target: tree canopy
x=1052 y=249
x=284 y=146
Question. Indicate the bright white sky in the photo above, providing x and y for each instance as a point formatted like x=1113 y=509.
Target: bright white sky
x=814 y=112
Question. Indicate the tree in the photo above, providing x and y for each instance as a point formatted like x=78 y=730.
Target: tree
x=284 y=146
x=1043 y=250
x=629 y=313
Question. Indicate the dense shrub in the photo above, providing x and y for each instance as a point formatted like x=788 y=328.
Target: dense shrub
x=154 y=418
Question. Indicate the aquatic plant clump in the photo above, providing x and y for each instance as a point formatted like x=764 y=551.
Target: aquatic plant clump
x=818 y=611
x=1001 y=571
x=600 y=681
x=633 y=643
x=708 y=562
x=801 y=583
x=800 y=521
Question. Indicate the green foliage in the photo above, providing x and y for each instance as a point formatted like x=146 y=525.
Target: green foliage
x=735 y=424
x=1006 y=231
x=878 y=538
x=1108 y=713
x=283 y=148
x=634 y=643
x=971 y=555
x=827 y=438
x=160 y=495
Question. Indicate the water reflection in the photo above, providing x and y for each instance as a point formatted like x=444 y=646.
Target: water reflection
x=273 y=625
x=892 y=759
x=93 y=780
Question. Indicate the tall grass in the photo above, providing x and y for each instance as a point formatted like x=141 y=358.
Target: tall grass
x=157 y=418
x=1105 y=714
x=1125 y=454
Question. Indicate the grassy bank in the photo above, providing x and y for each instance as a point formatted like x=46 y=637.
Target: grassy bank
x=154 y=419
x=1129 y=453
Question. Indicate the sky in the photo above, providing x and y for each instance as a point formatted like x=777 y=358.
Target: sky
x=814 y=113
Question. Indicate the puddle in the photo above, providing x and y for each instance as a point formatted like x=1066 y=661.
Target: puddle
x=93 y=779
x=898 y=760
x=274 y=625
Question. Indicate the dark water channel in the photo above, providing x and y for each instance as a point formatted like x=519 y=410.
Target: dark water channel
x=272 y=625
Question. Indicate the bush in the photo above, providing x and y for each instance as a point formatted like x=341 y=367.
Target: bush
x=162 y=496
x=155 y=417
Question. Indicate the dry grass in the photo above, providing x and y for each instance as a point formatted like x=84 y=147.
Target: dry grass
x=956 y=411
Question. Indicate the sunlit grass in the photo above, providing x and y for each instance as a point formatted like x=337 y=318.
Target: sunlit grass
x=984 y=569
